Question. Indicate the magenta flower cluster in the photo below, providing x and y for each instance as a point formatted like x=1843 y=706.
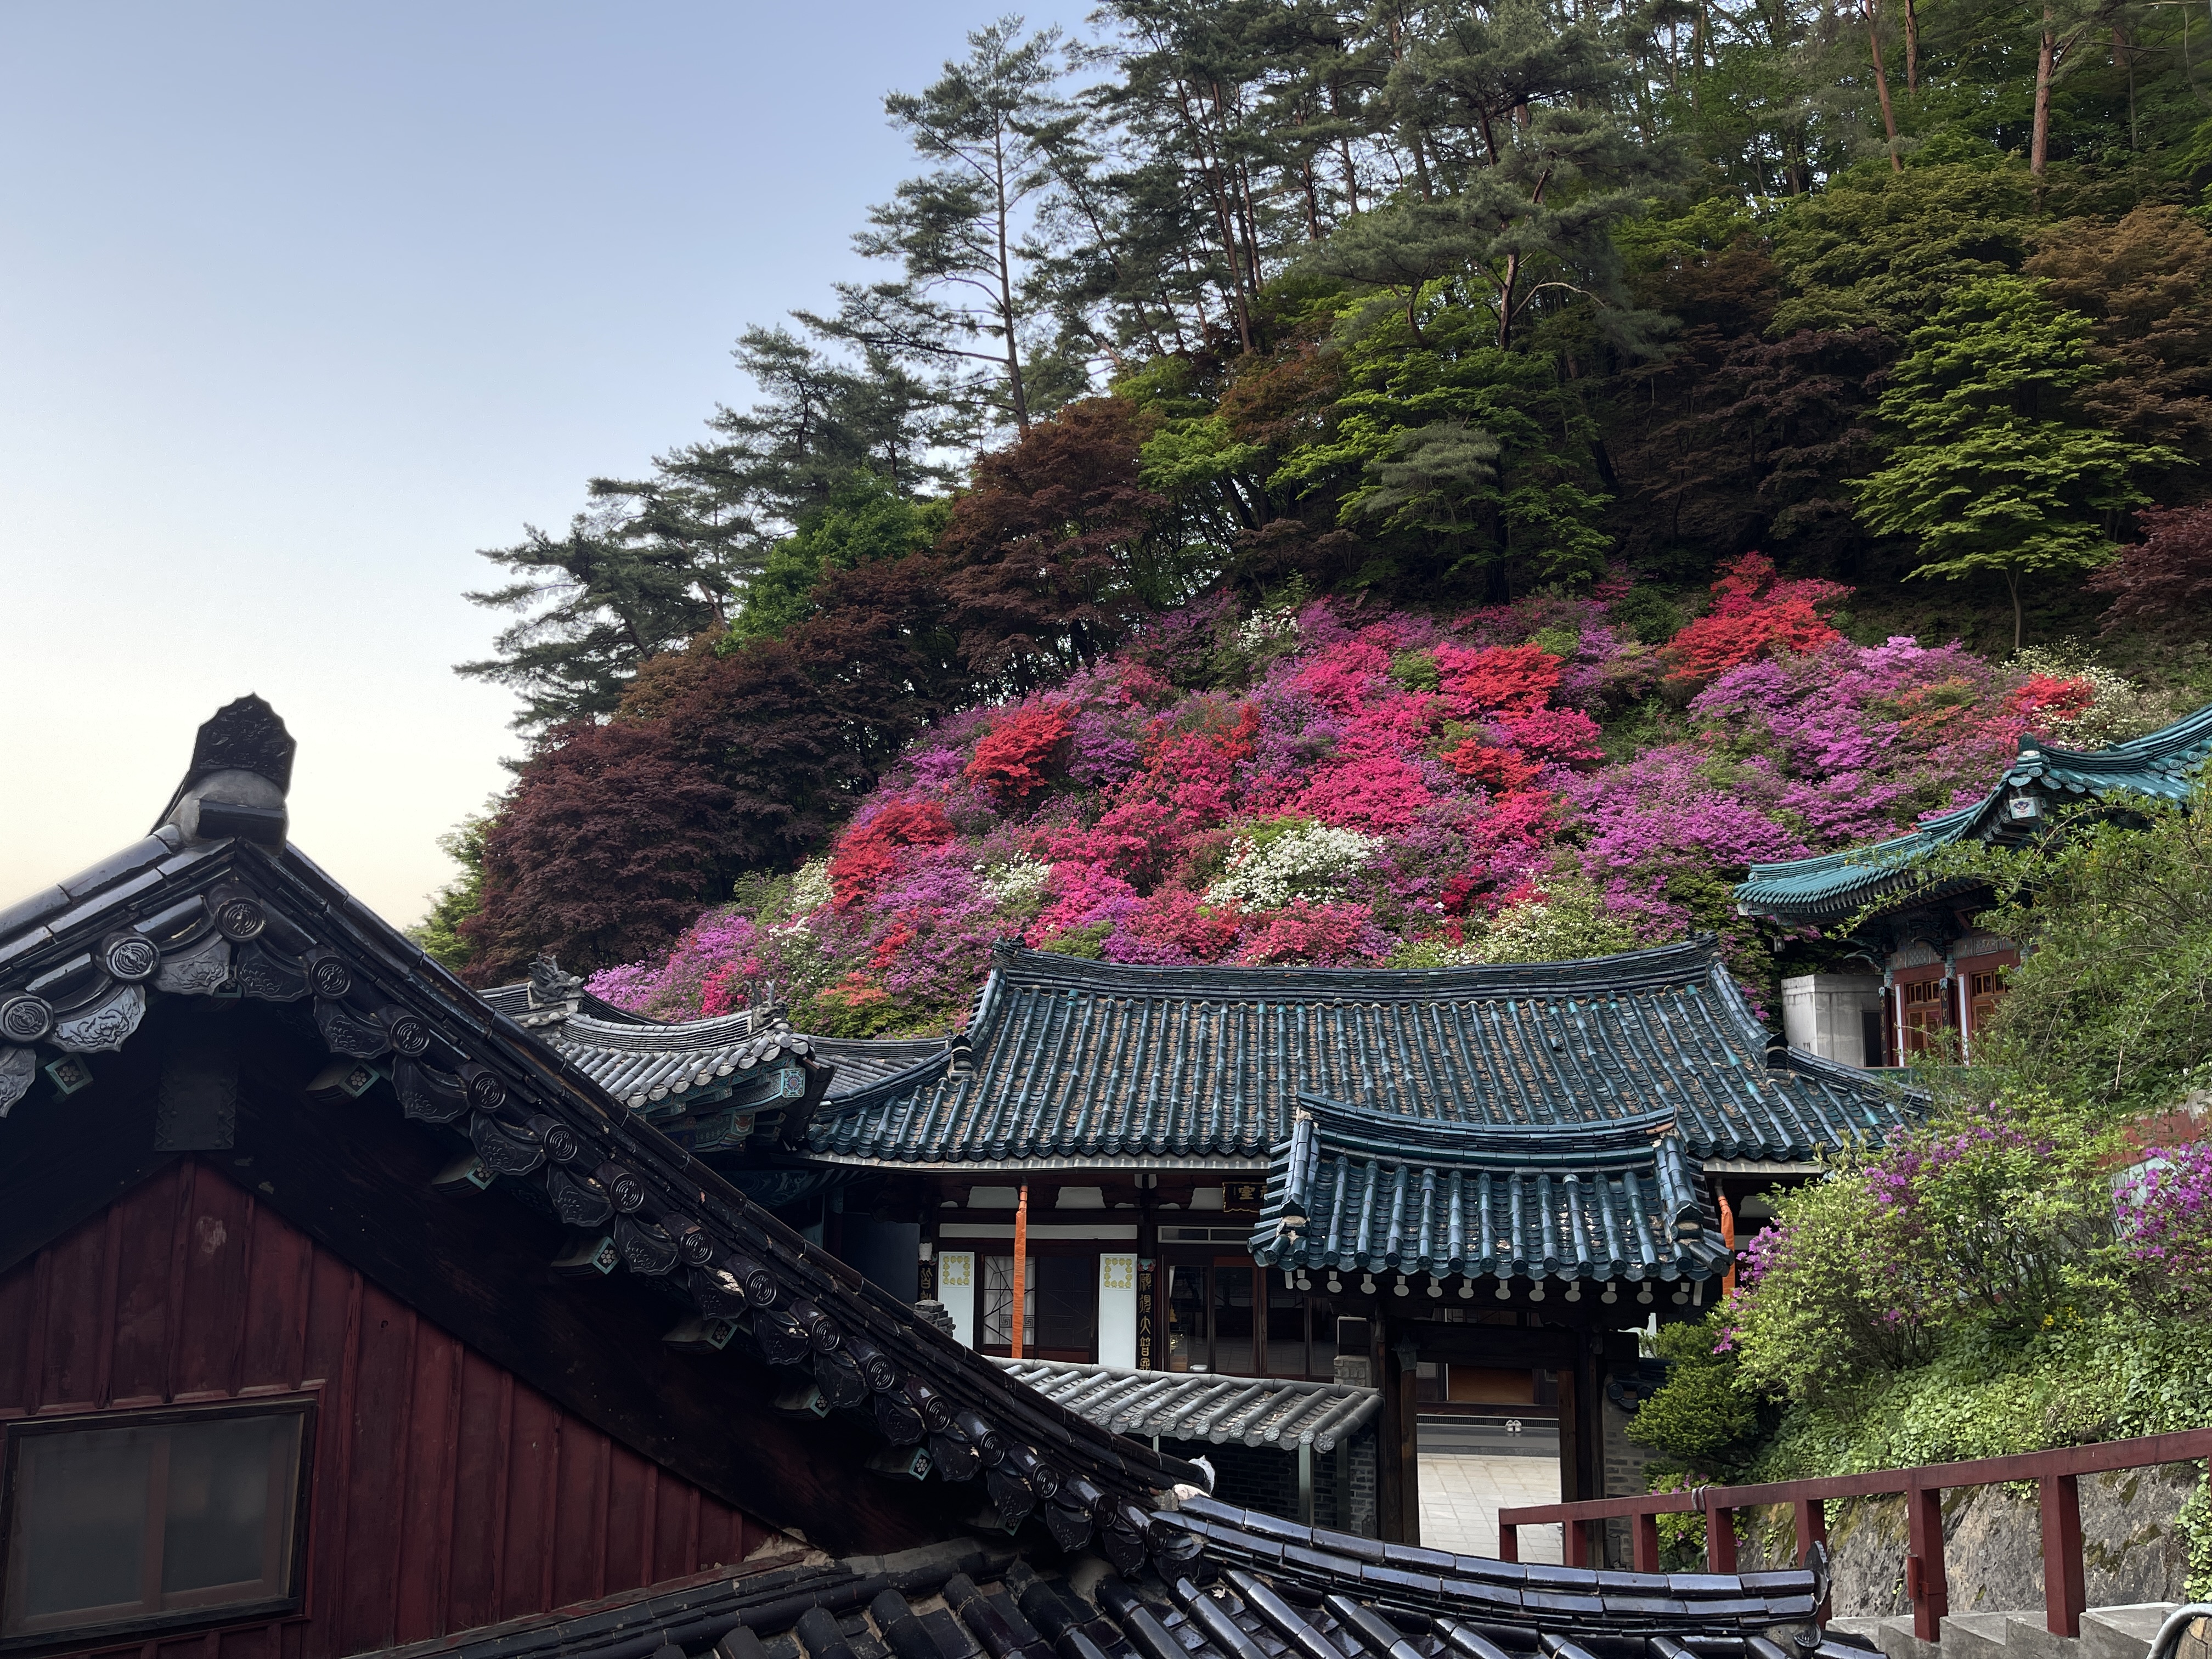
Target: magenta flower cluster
x=2166 y=1215
x=1336 y=786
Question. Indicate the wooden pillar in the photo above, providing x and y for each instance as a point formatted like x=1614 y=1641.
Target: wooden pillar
x=1570 y=1462
x=1409 y=1447
x=1021 y=1269
x=1581 y=1438
x=2062 y=1590
x=1925 y=1579
x=1390 y=1438
x=1728 y=1240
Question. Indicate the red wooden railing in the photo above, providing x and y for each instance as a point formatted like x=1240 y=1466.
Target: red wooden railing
x=2056 y=1474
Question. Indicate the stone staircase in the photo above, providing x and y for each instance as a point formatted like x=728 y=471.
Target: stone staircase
x=2123 y=1632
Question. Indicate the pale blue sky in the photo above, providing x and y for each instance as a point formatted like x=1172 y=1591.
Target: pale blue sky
x=302 y=304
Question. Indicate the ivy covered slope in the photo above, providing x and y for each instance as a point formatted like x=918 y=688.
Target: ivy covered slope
x=1310 y=781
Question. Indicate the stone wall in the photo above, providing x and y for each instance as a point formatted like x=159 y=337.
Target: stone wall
x=2134 y=1549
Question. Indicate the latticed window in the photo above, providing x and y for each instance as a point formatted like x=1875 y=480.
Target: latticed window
x=999 y=1300
x=1060 y=1306
x=1927 y=1014
x=1983 y=993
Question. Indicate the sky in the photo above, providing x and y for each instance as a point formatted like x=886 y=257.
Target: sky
x=302 y=305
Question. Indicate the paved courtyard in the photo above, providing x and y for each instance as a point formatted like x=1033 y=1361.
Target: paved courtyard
x=1461 y=1493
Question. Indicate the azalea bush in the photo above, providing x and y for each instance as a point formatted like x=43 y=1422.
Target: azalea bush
x=1987 y=1225
x=1306 y=782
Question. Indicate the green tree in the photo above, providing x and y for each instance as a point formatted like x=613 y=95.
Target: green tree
x=1888 y=250
x=439 y=932
x=1993 y=471
x=990 y=124
x=1514 y=108
x=654 y=561
x=2112 y=1003
x=1453 y=455
x=865 y=519
x=1698 y=1421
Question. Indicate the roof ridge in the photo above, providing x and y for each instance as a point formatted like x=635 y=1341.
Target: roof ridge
x=1682 y=962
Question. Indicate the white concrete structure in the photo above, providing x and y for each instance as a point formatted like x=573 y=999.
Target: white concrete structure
x=1835 y=1016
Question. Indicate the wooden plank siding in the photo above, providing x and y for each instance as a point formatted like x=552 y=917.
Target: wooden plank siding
x=445 y=1494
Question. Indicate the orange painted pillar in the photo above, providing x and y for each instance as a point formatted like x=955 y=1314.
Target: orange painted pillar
x=1728 y=1238
x=1021 y=1266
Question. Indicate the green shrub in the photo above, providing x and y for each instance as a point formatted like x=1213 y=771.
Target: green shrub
x=1701 y=1421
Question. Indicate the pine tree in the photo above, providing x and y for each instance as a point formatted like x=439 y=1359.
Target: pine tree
x=959 y=233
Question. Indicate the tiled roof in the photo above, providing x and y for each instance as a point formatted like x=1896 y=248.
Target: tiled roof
x=191 y=912
x=1835 y=885
x=1066 y=1059
x=643 y=1062
x=1354 y=1190
x=1231 y=1584
x=1204 y=1406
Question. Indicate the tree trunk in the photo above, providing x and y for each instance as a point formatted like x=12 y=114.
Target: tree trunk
x=2012 y=582
x=1009 y=314
x=1911 y=49
x=1881 y=83
x=2039 y=147
x=2126 y=59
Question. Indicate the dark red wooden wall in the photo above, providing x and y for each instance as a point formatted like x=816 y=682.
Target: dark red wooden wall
x=446 y=1493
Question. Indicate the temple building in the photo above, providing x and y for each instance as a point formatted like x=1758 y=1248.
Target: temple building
x=345 y=1314
x=1938 y=975
x=1460 y=1186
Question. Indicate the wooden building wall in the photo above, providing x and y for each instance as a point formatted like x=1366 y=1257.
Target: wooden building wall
x=446 y=1493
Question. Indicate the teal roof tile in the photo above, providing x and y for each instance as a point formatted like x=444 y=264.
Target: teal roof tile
x=1835 y=885
x=1362 y=1191
x=1065 y=1059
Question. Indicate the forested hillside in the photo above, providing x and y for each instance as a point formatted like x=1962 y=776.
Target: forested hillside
x=1372 y=343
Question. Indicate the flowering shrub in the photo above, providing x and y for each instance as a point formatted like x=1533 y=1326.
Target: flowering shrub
x=1310 y=784
x=2167 y=1220
x=1013 y=757
x=1991 y=1218
x=1275 y=863
x=1755 y=615
x=1015 y=884
x=870 y=850
x=2080 y=703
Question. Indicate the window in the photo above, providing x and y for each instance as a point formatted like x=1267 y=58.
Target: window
x=115 y=1522
x=1060 y=1306
x=1232 y=1320
x=1927 y=1016
x=998 y=1301
x=1066 y=1306
x=1190 y=1347
x=1984 y=991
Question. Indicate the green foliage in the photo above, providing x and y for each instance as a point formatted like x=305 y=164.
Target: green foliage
x=1974 y=1233
x=1416 y=670
x=1888 y=250
x=1454 y=453
x=864 y=520
x=1648 y=614
x=1992 y=475
x=439 y=932
x=2114 y=1376
x=2112 y=1003
x=1087 y=942
x=1702 y=1424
